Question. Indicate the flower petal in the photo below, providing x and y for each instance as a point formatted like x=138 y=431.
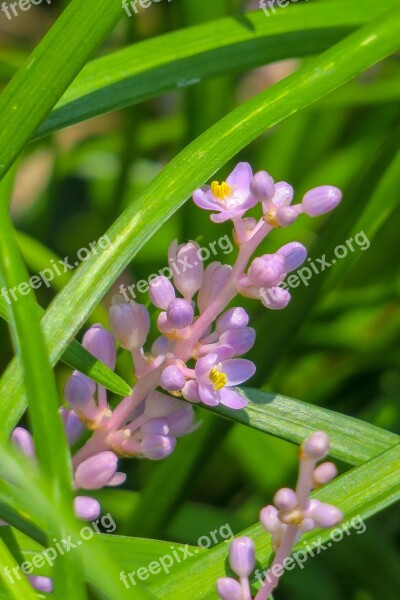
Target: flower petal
x=208 y=395
x=238 y=370
x=225 y=216
x=205 y=364
x=204 y=199
x=232 y=399
x=283 y=194
x=241 y=177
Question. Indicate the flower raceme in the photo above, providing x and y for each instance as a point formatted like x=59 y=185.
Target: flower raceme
x=291 y=514
x=197 y=355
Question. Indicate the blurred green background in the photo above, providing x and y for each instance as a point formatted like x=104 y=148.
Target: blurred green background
x=337 y=345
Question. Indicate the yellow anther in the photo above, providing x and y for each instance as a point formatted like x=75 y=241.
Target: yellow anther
x=291 y=517
x=220 y=190
x=271 y=219
x=219 y=379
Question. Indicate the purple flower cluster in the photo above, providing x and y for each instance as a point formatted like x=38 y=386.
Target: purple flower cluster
x=196 y=356
x=291 y=514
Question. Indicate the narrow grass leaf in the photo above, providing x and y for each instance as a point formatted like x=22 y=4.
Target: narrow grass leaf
x=196 y=164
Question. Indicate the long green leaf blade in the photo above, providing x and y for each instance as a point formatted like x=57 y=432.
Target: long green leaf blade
x=32 y=495
x=55 y=62
x=49 y=434
x=17 y=587
x=77 y=357
x=348 y=492
x=182 y=58
x=198 y=162
x=352 y=440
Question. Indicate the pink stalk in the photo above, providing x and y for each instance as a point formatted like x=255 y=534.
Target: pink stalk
x=246 y=594
x=303 y=488
x=284 y=551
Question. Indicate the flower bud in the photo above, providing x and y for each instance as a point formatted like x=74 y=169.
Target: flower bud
x=160 y=346
x=180 y=314
x=283 y=194
x=321 y=200
x=96 y=471
x=154 y=427
x=161 y=292
x=157 y=447
x=118 y=479
x=187 y=267
x=287 y=215
x=100 y=342
x=74 y=427
x=160 y=405
x=242 y=557
x=316 y=446
x=130 y=323
x=41 y=584
x=22 y=440
x=324 y=473
x=172 y=379
x=276 y=298
x=310 y=506
x=269 y=519
x=79 y=393
x=181 y=422
x=307 y=524
x=326 y=516
x=267 y=270
x=262 y=186
x=216 y=276
x=294 y=254
x=233 y=318
x=86 y=508
x=285 y=499
x=229 y=589
x=240 y=340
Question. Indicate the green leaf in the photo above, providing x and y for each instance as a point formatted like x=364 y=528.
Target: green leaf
x=37 y=258
x=32 y=495
x=175 y=60
x=130 y=553
x=348 y=492
x=173 y=476
x=193 y=167
x=50 y=69
x=361 y=207
x=49 y=433
x=353 y=441
x=77 y=357
x=17 y=588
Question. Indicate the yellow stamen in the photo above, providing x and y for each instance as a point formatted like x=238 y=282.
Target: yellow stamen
x=271 y=219
x=291 y=517
x=220 y=190
x=219 y=379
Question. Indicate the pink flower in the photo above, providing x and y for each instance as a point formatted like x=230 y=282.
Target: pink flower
x=231 y=198
x=216 y=380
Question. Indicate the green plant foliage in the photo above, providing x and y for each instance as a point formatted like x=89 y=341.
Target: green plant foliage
x=108 y=123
